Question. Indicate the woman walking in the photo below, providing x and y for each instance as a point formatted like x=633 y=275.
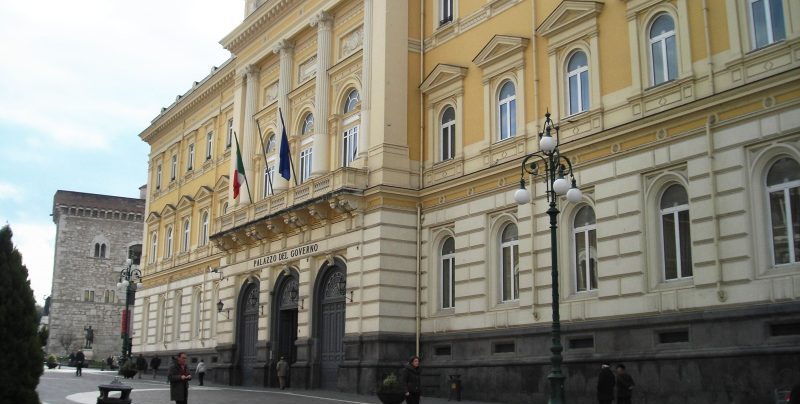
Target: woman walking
x=410 y=379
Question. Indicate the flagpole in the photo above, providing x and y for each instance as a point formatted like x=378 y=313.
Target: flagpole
x=246 y=182
x=266 y=164
x=291 y=160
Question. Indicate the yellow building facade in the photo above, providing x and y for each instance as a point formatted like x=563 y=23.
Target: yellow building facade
x=397 y=232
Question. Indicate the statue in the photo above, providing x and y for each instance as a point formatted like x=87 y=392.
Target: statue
x=89 y=335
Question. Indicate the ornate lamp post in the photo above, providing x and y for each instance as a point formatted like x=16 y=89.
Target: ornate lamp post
x=130 y=279
x=554 y=171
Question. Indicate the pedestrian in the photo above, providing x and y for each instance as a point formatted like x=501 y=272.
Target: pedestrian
x=79 y=358
x=179 y=377
x=201 y=371
x=794 y=394
x=410 y=380
x=110 y=363
x=71 y=361
x=624 y=385
x=283 y=371
x=605 y=384
x=141 y=365
x=154 y=364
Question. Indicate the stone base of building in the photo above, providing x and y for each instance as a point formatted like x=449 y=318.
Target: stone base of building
x=735 y=355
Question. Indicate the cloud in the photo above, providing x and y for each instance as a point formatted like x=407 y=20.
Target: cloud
x=35 y=241
x=10 y=192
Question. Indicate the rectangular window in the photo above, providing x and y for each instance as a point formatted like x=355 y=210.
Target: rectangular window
x=190 y=158
x=158 y=177
x=230 y=134
x=174 y=167
x=305 y=164
x=349 y=146
x=209 y=144
x=673 y=337
x=780 y=330
x=88 y=295
x=504 y=347
x=766 y=19
x=442 y=350
x=581 y=343
x=448 y=282
x=446 y=11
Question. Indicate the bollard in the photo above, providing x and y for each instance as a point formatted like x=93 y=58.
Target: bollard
x=455 y=387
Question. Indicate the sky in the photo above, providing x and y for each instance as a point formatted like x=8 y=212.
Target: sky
x=79 y=80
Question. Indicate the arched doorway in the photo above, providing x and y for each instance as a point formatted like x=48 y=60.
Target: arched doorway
x=247 y=333
x=284 y=319
x=330 y=316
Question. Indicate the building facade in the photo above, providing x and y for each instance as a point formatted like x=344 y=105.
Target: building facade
x=95 y=234
x=397 y=232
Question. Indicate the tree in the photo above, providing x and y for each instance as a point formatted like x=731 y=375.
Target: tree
x=44 y=334
x=18 y=328
x=66 y=341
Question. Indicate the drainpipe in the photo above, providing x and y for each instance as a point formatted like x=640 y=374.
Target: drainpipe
x=721 y=294
x=418 y=317
x=708 y=46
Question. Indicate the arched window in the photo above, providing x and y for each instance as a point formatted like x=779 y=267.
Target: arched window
x=351 y=129
x=585 y=241
x=507 y=111
x=102 y=250
x=185 y=240
x=153 y=247
x=663 y=54
x=509 y=263
x=308 y=124
x=676 y=240
x=168 y=246
x=578 y=83
x=448 y=131
x=783 y=194
x=271 y=143
x=96 y=250
x=203 y=228
x=351 y=101
x=766 y=21
x=447 y=281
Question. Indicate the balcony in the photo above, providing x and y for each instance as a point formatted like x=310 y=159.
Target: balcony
x=316 y=199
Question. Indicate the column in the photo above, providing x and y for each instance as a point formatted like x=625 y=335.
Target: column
x=320 y=163
x=238 y=102
x=286 y=51
x=366 y=83
x=246 y=140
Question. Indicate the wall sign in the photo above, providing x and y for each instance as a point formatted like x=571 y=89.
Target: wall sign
x=286 y=255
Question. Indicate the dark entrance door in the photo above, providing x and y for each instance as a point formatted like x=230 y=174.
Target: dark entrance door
x=331 y=328
x=287 y=321
x=248 y=334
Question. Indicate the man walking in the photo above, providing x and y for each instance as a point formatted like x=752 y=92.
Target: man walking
x=141 y=364
x=154 y=364
x=605 y=385
x=179 y=377
x=201 y=371
x=624 y=385
x=79 y=358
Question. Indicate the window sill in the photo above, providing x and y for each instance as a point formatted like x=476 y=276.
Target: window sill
x=681 y=283
x=579 y=296
x=450 y=311
x=506 y=305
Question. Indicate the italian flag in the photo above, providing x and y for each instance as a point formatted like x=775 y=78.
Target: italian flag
x=238 y=176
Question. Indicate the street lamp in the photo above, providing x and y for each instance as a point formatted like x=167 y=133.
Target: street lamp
x=554 y=171
x=130 y=279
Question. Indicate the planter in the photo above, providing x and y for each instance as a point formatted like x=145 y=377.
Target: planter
x=128 y=373
x=52 y=365
x=391 y=398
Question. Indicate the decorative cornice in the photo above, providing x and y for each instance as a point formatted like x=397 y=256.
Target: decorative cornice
x=216 y=81
x=256 y=23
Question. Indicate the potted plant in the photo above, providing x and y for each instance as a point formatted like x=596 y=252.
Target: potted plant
x=52 y=361
x=391 y=391
x=128 y=370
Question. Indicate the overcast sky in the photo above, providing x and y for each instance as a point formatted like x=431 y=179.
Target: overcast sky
x=79 y=80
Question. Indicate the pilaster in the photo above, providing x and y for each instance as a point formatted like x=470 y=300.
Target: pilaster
x=324 y=23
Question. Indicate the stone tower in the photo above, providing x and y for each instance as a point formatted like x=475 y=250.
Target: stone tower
x=95 y=234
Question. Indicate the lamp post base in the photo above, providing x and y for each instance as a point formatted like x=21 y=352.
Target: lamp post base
x=556 y=388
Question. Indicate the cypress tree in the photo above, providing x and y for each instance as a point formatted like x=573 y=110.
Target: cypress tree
x=19 y=338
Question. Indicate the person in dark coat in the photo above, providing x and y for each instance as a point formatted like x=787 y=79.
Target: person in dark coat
x=794 y=395
x=624 y=385
x=409 y=377
x=154 y=364
x=141 y=365
x=605 y=384
x=179 y=377
x=282 y=369
x=79 y=358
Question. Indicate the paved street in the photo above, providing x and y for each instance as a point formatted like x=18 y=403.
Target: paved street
x=63 y=387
